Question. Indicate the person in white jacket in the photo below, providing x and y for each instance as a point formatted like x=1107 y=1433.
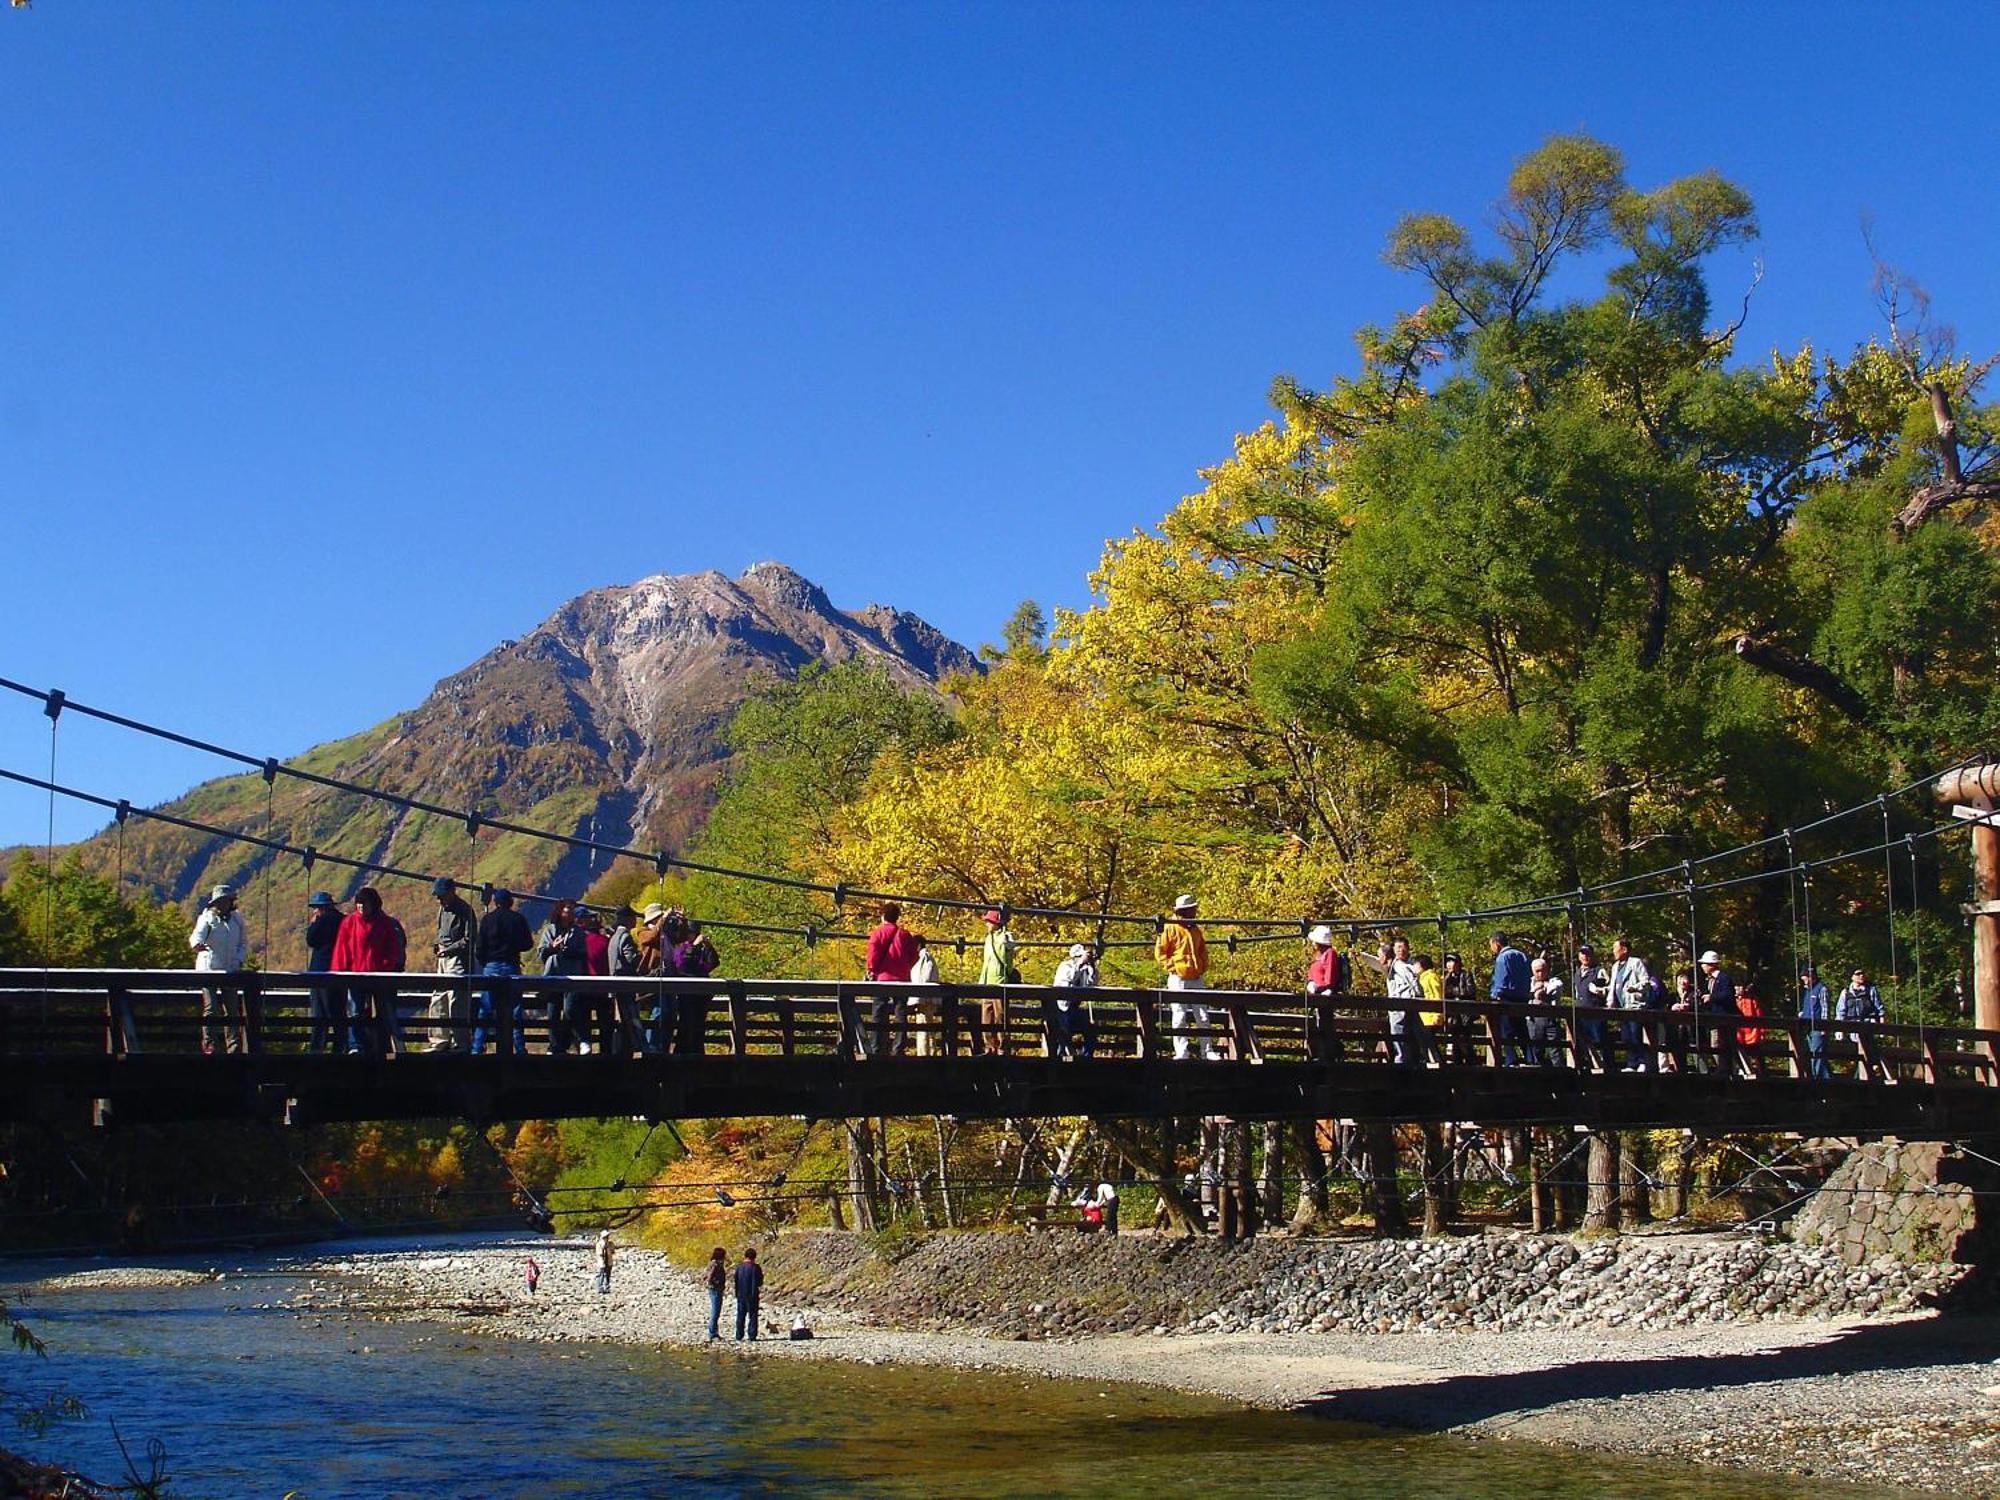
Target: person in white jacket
x=220 y=947
x=1405 y=982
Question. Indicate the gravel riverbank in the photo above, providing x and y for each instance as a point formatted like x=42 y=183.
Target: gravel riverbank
x=1903 y=1398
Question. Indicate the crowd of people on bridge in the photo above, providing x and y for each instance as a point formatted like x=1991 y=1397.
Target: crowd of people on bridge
x=1703 y=1020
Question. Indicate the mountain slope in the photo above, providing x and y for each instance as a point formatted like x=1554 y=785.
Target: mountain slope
x=605 y=721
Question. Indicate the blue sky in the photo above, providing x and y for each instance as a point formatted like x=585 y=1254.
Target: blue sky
x=321 y=320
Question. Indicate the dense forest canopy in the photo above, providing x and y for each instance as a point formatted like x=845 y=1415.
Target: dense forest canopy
x=1547 y=590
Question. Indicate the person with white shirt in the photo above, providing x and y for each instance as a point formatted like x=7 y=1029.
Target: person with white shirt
x=1405 y=982
x=1630 y=988
x=220 y=947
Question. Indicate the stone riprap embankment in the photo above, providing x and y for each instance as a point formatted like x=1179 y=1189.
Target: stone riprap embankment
x=1055 y=1286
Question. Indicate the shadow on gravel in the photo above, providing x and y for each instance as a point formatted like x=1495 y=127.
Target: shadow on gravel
x=1460 y=1399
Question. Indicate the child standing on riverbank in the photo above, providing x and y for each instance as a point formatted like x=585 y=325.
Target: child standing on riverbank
x=534 y=1274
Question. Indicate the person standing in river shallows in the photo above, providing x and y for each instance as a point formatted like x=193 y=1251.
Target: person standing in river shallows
x=717 y=1277
x=749 y=1289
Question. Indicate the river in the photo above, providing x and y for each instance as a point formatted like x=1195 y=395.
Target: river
x=249 y=1398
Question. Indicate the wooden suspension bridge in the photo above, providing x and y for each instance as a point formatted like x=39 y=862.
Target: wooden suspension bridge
x=108 y=1047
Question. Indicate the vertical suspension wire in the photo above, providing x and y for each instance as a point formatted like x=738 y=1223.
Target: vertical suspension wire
x=1889 y=900
x=271 y=870
x=1792 y=898
x=1916 y=937
x=53 y=708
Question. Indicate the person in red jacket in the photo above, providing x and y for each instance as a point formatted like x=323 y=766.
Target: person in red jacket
x=370 y=941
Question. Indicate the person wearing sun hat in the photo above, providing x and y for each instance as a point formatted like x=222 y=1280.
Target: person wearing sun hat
x=1182 y=954
x=328 y=1006
x=220 y=947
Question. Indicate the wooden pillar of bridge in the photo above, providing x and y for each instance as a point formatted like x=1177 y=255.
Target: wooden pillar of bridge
x=1979 y=787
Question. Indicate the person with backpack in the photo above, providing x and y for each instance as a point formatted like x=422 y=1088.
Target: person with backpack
x=1074 y=1035
x=694 y=958
x=996 y=967
x=503 y=937
x=715 y=1278
x=661 y=1012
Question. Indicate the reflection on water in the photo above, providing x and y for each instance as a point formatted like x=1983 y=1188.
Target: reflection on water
x=260 y=1402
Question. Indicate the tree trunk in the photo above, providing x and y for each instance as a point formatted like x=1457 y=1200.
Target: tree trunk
x=1271 y=1176
x=1684 y=1175
x=860 y=1179
x=1158 y=1165
x=944 y=1172
x=1600 y=1209
x=1060 y=1176
x=1437 y=1184
x=1378 y=1183
x=1541 y=1191
x=1635 y=1198
x=1519 y=1154
x=1313 y=1206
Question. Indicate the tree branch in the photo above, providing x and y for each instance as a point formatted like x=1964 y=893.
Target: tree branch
x=1803 y=671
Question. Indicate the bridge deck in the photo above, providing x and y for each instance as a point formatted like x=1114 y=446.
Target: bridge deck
x=111 y=1046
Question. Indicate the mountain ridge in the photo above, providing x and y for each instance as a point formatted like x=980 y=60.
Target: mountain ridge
x=605 y=721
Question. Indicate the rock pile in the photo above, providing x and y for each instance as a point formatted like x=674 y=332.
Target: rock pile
x=1029 y=1286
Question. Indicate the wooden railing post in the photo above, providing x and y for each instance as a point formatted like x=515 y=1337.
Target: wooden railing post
x=949 y=1019
x=739 y=1019
x=850 y=1023
x=1146 y=1012
x=251 y=998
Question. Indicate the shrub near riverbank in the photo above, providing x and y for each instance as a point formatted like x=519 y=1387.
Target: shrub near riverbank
x=1056 y=1285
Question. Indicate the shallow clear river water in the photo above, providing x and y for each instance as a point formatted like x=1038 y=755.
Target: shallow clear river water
x=267 y=1403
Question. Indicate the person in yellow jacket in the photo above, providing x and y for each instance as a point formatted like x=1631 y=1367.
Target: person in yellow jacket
x=1183 y=957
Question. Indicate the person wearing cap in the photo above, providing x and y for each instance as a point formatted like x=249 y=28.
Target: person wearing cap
x=1182 y=954
x=1859 y=1001
x=890 y=955
x=656 y=960
x=1074 y=1035
x=1323 y=982
x=1815 y=1009
x=1718 y=999
x=328 y=1005
x=996 y=967
x=1590 y=987
x=456 y=928
x=503 y=937
x=220 y=946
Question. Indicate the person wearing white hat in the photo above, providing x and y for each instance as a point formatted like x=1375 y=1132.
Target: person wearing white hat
x=1324 y=979
x=1182 y=954
x=1718 y=997
x=1074 y=1035
x=220 y=946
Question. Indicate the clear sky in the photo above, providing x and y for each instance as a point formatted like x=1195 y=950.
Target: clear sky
x=339 y=342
